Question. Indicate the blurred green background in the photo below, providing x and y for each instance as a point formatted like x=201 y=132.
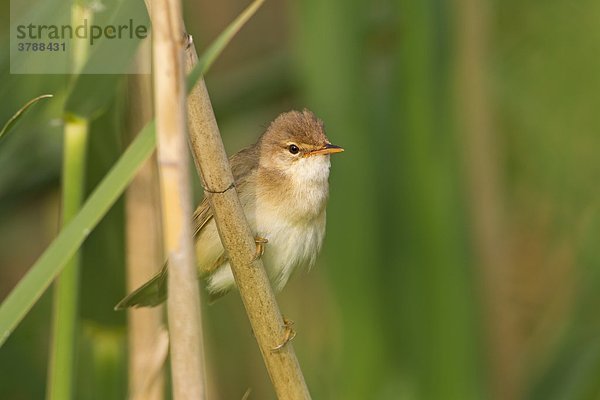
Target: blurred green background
x=461 y=259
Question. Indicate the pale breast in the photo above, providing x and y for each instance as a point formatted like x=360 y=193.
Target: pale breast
x=290 y=213
x=291 y=244
x=287 y=211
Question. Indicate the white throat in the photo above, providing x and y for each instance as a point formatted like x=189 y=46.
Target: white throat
x=310 y=184
x=312 y=171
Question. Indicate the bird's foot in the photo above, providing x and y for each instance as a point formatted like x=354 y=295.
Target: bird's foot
x=288 y=336
x=260 y=246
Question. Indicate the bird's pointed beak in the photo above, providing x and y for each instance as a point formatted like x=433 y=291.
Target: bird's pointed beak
x=327 y=149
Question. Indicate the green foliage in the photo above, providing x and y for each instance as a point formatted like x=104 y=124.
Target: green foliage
x=11 y=123
x=103 y=349
x=91 y=93
x=62 y=371
x=37 y=280
x=31 y=287
x=402 y=276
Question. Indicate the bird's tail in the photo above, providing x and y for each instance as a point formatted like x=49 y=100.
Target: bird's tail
x=150 y=294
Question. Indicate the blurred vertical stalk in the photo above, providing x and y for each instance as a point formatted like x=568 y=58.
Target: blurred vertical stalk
x=80 y=12
x=484 y=194
x=183 y=303
x=433 y=278
x=61 y=372
x=61 y=376
x=144 y=251
x=102 y=352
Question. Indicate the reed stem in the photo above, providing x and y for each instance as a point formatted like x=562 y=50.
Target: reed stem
x=62 y=371
x=61 y=375
x=250 y=276
x=183 y=304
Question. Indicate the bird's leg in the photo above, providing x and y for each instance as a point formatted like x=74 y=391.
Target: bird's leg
x=260 y=246
x=289 y=334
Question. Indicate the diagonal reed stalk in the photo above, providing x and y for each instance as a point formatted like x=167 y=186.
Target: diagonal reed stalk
x=183 y=303
x=250 y=276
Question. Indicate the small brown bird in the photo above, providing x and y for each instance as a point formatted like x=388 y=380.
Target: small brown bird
x=282 y=182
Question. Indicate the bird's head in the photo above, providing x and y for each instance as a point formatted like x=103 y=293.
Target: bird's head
x=295 y=145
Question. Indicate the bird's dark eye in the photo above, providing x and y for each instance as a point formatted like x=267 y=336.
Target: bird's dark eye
x=293 y=149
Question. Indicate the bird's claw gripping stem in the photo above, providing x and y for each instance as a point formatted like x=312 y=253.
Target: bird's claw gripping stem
x=288 y=335
x=260 y=246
